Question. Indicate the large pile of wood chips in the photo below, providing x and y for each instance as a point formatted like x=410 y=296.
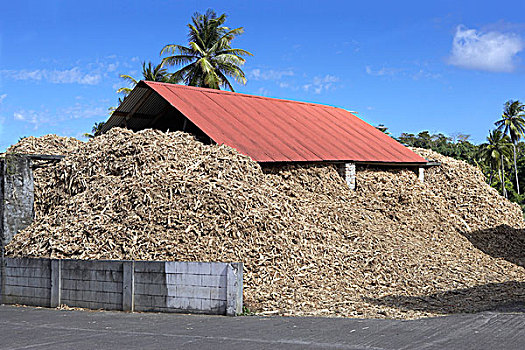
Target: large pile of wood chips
x=395 y=247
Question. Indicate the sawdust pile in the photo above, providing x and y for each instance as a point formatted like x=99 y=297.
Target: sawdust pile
x=395 y=247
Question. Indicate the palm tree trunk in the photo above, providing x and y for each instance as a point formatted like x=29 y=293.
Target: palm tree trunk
x=491 y=174
x=516 y=168
x=502 y=178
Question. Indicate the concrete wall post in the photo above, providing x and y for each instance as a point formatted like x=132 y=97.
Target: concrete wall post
x=234 y=289
x=56 y=283
x=348 y=173
x=17 y=195
x=128 y=286
x=421 y=174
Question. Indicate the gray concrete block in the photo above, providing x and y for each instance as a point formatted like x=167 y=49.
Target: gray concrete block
x=159 y=301
x=198 y=268
x=184 y=279
x=193 y=292
x=171 y=266
x=69 y=284
x=150 y=289
x=149 y=266
x=92 y=265
x=150 y=277
x=113 y=287
x=15 y=281
x=218 y=268
x=216 y=307
x=28 y=272
x=32 y=301
x=218 y=293
x=177 y=303
x=213 y=280
x=171 y=290
x=28 y=281
x=27 y=262
x=143 y=300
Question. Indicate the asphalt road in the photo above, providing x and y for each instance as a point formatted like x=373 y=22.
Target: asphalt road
x=38 y=328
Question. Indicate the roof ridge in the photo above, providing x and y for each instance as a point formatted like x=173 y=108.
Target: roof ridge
x=214 y=91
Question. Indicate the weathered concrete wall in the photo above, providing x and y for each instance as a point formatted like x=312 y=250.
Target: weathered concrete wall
x=16 y=195
x=27 y=281
x=193 y=287
x=212 y=288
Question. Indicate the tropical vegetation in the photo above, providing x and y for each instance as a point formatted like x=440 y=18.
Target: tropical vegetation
x=501 y=157
x=209 y=59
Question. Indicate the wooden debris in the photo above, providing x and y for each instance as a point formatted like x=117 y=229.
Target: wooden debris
x=395 y=247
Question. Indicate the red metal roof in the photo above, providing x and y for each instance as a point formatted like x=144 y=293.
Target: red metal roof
x=274 y=130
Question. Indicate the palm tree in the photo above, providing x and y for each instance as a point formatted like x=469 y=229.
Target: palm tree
x=495 y=153
x=209 y=58
x=149 y=72
x=95 y=130
x=513 y=124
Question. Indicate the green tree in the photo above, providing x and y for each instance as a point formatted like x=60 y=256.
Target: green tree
x=513 y=124
x=150 y=73
x=95 y=130
x=495 y=152
x=209 y=59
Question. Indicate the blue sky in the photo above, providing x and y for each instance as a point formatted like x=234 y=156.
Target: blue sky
x=442 y=66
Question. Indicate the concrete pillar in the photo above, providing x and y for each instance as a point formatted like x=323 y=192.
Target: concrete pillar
x=421 y=174
x=56 y=283
x=347 y=172
x=234 y=289
x=128 y=286
x=16 y=195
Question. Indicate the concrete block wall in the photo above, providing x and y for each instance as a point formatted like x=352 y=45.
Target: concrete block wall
x=211 y=288
x=92 y=284
x=191 y=287
x=26 y=281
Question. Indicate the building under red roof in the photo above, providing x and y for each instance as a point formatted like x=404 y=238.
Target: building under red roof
x=266 y=129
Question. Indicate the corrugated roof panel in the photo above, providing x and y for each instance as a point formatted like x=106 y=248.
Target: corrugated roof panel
x=273 y=130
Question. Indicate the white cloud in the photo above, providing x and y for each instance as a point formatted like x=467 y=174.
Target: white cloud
x=67 y=76
x=2 y=97
x=412 y=72
x=381 y=72
x=491 y=51
x=32 y=117
x=80 y=111
x=258 y=74
x=320 y=84
x=73 y=75
x=77 y=111
x=112 y=67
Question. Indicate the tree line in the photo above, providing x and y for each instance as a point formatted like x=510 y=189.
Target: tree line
x=501 y=158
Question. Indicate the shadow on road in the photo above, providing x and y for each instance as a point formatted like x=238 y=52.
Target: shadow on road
x=508 y=296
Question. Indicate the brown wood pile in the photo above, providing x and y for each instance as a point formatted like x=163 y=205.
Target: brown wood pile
x=48 y=144
x=395 y=247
